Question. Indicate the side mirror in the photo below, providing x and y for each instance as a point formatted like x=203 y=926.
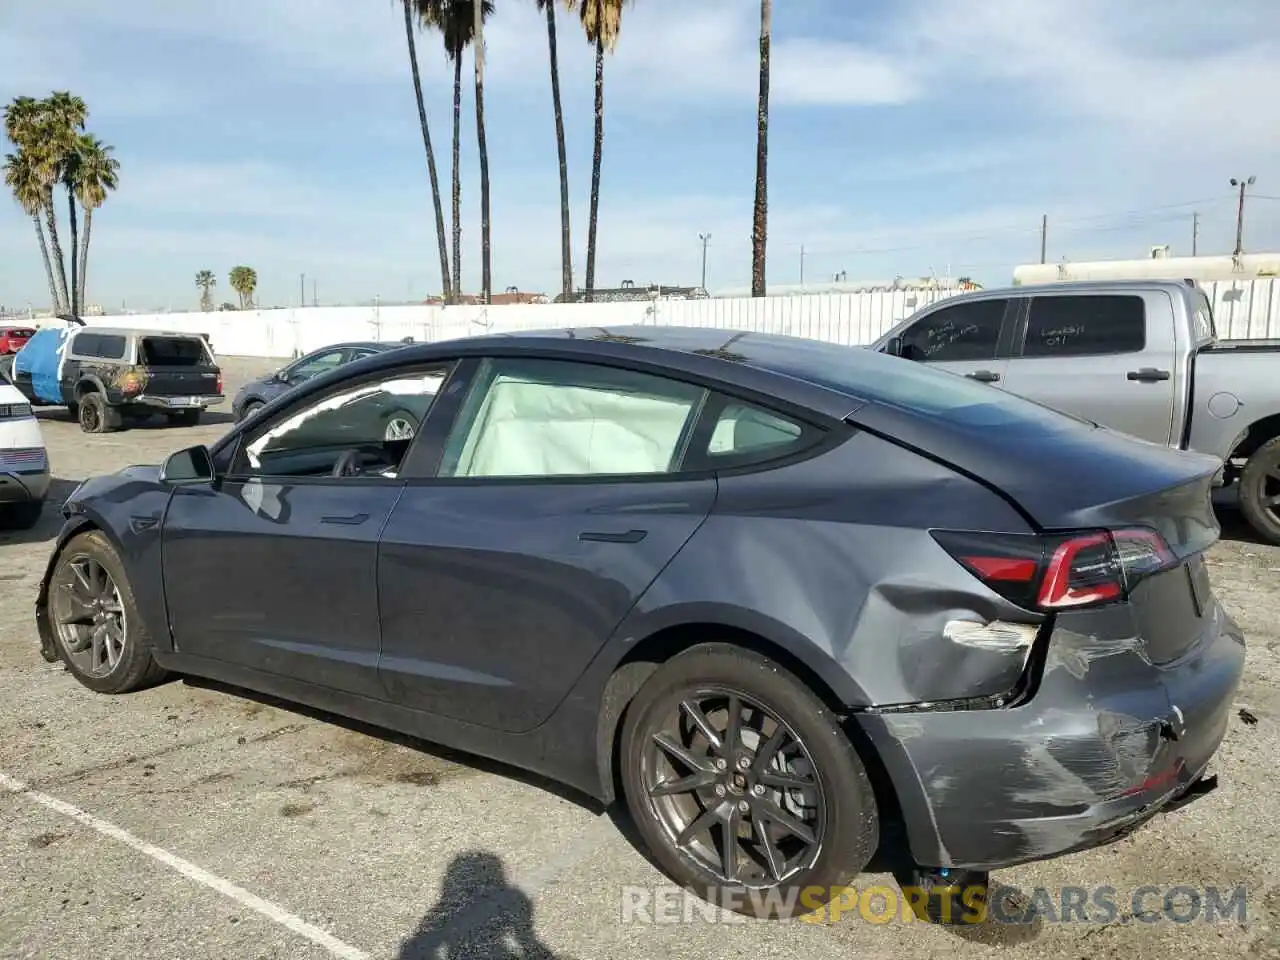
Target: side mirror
x=894 y=347
x=192 y=465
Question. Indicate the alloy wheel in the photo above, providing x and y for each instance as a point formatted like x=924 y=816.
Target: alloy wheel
x=398 y=428
x=734 y=788
x=1269 y=499
x=90 y=617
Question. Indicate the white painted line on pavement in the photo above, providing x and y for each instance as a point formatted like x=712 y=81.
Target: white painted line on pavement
x=271 y=911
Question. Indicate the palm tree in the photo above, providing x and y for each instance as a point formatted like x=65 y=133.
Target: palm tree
x=602 y=21
x=759 y=228
x=446 y=287
x=98 y=174
x=456 y=21
x=20 y=176
x=478 y=13
x=566 y=247
x=63 y=115
x=206 y=281
x=244 y=281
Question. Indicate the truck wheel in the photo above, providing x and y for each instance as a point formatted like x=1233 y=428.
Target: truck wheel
x=96 y=415
x=743 y=785
x=1260 y=490
x=184 y=418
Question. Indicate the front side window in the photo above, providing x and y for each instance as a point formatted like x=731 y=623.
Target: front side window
x=550 y=418
x=363 y=430
x=1085 y=325
x=963 y=331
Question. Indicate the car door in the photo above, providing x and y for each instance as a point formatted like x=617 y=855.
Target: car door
x=1099 y=356
x=556 y=503
x=969 y=337
x=274 y=567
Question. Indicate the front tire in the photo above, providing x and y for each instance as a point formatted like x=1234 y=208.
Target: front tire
x=249 y=409
x=743 y=785
x=94 y=618
x=1260 y=490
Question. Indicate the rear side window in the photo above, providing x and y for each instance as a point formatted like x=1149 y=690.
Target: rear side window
x=1081 y=326
x=106 y=346
x=1203 y=319
x=171 y=352
x=963 y=331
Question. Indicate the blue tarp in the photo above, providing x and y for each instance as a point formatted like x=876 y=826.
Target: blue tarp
x=41 y=356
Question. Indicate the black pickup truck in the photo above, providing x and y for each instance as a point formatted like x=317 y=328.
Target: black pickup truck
x=106 y=376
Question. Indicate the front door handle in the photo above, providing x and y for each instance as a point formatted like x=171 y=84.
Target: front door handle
x=349 y=520
x=984 y=376
x=606 y=536
x=1148 y=375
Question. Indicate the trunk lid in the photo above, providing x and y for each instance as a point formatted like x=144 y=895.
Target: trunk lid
x=178 y=366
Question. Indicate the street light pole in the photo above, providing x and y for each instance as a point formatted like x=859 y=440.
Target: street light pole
x=1242 y=184
x=705 y=238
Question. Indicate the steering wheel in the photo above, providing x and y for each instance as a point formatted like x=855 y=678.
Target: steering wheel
x=350 y=464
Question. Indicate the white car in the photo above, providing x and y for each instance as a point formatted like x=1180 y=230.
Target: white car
x=24 y=462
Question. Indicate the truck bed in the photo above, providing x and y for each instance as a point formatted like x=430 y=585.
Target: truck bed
x=1243 y=346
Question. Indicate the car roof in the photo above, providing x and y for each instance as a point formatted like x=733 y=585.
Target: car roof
x=819 y=375
x=136 y=332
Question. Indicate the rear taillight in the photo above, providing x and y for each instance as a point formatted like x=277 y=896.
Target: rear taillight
x=1061 y=572
x=219 y=381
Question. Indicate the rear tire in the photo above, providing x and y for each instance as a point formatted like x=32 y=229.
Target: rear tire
x=184 y=418
x=1260 y=490
x=104 y=645
x=96 y=415
x=792 y=793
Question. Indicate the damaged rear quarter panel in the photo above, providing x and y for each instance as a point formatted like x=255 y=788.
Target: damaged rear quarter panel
x=831 y=558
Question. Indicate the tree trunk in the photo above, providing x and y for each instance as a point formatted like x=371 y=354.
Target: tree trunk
x=759 y=230
x=477 y=46
x=457 y=177
x=48 y=264
x=59 y=261
x=441 y=241
x=594 y=215
x=566 y=246
x=75 y=253
x=84 y=257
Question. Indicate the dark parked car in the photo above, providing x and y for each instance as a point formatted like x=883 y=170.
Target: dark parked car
x=260 y=392
x=770 y=590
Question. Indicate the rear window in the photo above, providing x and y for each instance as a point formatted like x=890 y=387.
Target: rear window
x=20 y=332
x=1085 y=325
x=171 y=352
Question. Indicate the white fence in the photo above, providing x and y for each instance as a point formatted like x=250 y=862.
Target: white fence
x=1243 y=309
x=854 y=319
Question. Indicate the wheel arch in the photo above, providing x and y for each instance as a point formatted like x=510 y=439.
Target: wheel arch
x=1259 y=432
x=644 y=656
x=86 y=384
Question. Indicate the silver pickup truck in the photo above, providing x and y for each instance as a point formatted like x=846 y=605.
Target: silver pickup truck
x=1140 y=357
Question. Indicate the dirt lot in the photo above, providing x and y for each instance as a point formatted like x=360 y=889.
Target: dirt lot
x=188 y=821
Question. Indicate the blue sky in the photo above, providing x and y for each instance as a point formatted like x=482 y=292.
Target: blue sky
x=906 y=137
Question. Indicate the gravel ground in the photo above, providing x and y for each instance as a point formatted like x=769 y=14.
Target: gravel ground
x=192 y=821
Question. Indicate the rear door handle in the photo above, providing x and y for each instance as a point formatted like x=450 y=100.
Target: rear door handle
x=984 y=376
x=606 y=536
x=1148 y=375
x=349 y=520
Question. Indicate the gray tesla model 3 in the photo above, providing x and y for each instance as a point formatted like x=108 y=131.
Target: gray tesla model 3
x=772 y=593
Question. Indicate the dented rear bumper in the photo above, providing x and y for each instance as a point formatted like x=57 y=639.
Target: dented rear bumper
x=1106 y=740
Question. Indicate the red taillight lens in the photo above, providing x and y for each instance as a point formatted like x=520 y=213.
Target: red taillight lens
x=1060 y=572
x=219 y=381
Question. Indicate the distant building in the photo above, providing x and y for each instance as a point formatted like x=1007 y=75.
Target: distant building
x=628 y=292
x=1158 y=265
x=840 y=284
x=509 y=296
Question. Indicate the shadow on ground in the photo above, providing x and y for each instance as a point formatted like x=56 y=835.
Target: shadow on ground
x=156 y=422
x=480 y=914
x=50 y=522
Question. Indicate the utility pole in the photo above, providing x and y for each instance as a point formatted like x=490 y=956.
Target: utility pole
x=302 y=289
x=1242 y=184
x=706 y=239
x=802 y=265
x=1044 y=235
x=315 y=300
x=1195 y=232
